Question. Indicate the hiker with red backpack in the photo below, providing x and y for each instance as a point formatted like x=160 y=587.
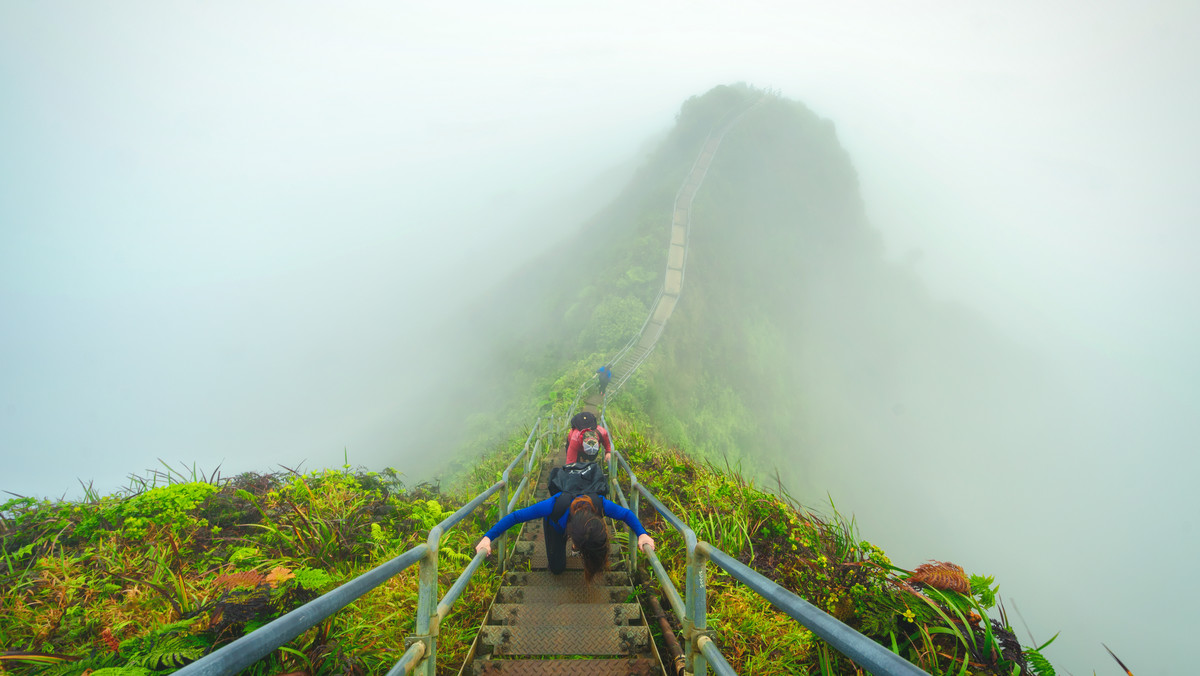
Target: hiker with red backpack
x=586 y=438
x=575 y=511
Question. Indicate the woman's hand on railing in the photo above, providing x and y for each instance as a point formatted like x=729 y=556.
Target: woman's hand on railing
x=485 y=545
x=645 y=543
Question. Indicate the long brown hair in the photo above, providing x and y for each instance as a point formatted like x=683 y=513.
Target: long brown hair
x=587 y=530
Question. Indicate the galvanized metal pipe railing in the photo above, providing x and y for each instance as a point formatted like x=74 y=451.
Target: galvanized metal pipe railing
x=717 y=133
x=505 y=506
x=706 y=645
x=865 y=652
x=682 y=608
x=700 y=651
x=256 y=645
x=459 y=586
x=575 y=402
x=427 y=611
x=408 y=661
x=430 y=613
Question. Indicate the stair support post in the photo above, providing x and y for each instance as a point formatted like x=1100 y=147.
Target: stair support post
x=427 y=601
x=502 y=541
x=633 y=548
x=696 y=606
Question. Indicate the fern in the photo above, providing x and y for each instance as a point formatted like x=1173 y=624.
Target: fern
x=170 y=652
x=454 y=556
x=312 y=579
x=1038 y=663
x=982 y=586
x=169 y=647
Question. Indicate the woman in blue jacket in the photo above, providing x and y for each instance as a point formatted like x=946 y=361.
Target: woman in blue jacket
x=579 y=518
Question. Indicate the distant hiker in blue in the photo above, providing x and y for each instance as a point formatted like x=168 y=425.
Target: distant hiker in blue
x=579 y=518
x=605 y=375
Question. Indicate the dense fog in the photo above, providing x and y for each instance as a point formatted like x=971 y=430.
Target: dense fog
x=228 y=233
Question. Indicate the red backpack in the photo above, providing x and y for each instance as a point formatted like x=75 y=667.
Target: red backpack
x=589 y=445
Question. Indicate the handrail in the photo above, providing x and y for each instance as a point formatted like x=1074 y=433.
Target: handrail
x=459 y=586
x=705 y=645
x=259 y=643
x=867 y=653
x=422 y=649
x=430 y=613
x=715 y=135
x=408 y=661
x=700 y=651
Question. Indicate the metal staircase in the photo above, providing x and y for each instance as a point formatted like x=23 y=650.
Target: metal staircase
x=630 y=357
x=541 y=623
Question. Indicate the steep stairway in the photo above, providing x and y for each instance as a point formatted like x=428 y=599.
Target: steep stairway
x=541 y=623
x=643 y=344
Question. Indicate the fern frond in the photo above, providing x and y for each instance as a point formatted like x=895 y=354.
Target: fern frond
x=1038 y=663
x=454 y=556
x=170 y=652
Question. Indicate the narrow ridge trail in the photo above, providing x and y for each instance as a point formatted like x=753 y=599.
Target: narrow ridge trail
x=626 y=362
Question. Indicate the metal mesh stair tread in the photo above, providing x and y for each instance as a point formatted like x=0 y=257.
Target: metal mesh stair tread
x=577 y=594
x=536 y=555
x=568 y=578
x=538 y=537
x=592 y=667
x=558 y=614
x=538 y=560
x=566 y=639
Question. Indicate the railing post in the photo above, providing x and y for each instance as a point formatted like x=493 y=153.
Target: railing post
x=612 y=474
x=503 y=539
x=427 y=600
x=632 y=536
x=696 y=603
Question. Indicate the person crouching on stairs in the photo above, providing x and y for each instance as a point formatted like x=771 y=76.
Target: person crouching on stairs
x=579 y=518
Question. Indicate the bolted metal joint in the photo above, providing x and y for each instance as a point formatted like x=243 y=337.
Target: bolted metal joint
x=694 y=635
x=410 y=640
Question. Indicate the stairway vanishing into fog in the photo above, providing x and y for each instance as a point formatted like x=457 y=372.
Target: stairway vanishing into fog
x=639 y=348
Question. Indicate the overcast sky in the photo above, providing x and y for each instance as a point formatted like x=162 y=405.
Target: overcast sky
x=221 y=223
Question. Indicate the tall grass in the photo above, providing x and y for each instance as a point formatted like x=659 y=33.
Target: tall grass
x=152 y=578
x=180 y=562
x=823 y=559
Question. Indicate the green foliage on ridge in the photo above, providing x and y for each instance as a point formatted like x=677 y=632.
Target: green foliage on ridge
x=172 y=571
x=134 y=601
x=146 y=581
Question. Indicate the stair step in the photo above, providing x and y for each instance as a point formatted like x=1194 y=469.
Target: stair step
x=593 y=667
x=565 y=640
x=535 y=554
x=536 y=538
x=567 y=578
x=538 y=560
x=575 y=594
x=558 y=614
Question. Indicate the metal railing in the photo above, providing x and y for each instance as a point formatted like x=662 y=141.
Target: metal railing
x=695 y=178
x=421 y=653
x=699 y=650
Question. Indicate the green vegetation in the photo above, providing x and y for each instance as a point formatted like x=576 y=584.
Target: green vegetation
x=86 y=591
x=917 y=614
x=147 y=580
